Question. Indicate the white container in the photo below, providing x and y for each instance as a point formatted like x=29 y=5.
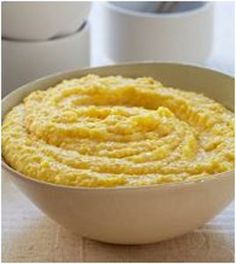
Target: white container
x=25 y=61
x=132 y=34
x=42 y=20
x=133 y=215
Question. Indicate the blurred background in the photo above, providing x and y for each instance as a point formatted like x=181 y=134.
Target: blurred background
x=41 y=38
x=220 y=56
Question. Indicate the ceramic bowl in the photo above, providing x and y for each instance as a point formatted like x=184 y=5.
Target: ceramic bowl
x=133 y=31
x=24 y=61
x=134 y=215
x=42 y=20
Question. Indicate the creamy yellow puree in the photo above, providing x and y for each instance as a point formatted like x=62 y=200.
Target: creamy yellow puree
x=115 y=131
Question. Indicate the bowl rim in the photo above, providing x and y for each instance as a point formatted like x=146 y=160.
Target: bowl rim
x=84 y=28
x=209 y=178
x=212 y=177
x=133 y=13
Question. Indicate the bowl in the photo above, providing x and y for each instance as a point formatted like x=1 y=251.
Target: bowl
x=133 y=215
x=135 y=31
x=42 y=20
x=24 y=61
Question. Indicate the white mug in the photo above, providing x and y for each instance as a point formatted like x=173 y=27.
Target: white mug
x=134 y=35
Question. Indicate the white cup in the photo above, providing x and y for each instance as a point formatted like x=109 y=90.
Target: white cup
x=26 y=61
x=42 y=20
x=133 y=33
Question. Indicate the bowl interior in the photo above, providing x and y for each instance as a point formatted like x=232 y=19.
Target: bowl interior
x=157 y=7
x=213 y=84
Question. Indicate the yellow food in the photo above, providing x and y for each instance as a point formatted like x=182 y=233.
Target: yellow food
x=115 y=131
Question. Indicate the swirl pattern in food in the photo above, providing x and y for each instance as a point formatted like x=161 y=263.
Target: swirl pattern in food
x=114 y=131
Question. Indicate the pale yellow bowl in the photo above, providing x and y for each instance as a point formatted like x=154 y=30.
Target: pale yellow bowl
x=134 y=215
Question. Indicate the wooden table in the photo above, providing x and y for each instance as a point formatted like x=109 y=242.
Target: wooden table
x=29 y=236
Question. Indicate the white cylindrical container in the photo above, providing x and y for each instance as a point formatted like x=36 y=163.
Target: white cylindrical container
x=133 y=34
x=42 y=20
x=25 y=61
